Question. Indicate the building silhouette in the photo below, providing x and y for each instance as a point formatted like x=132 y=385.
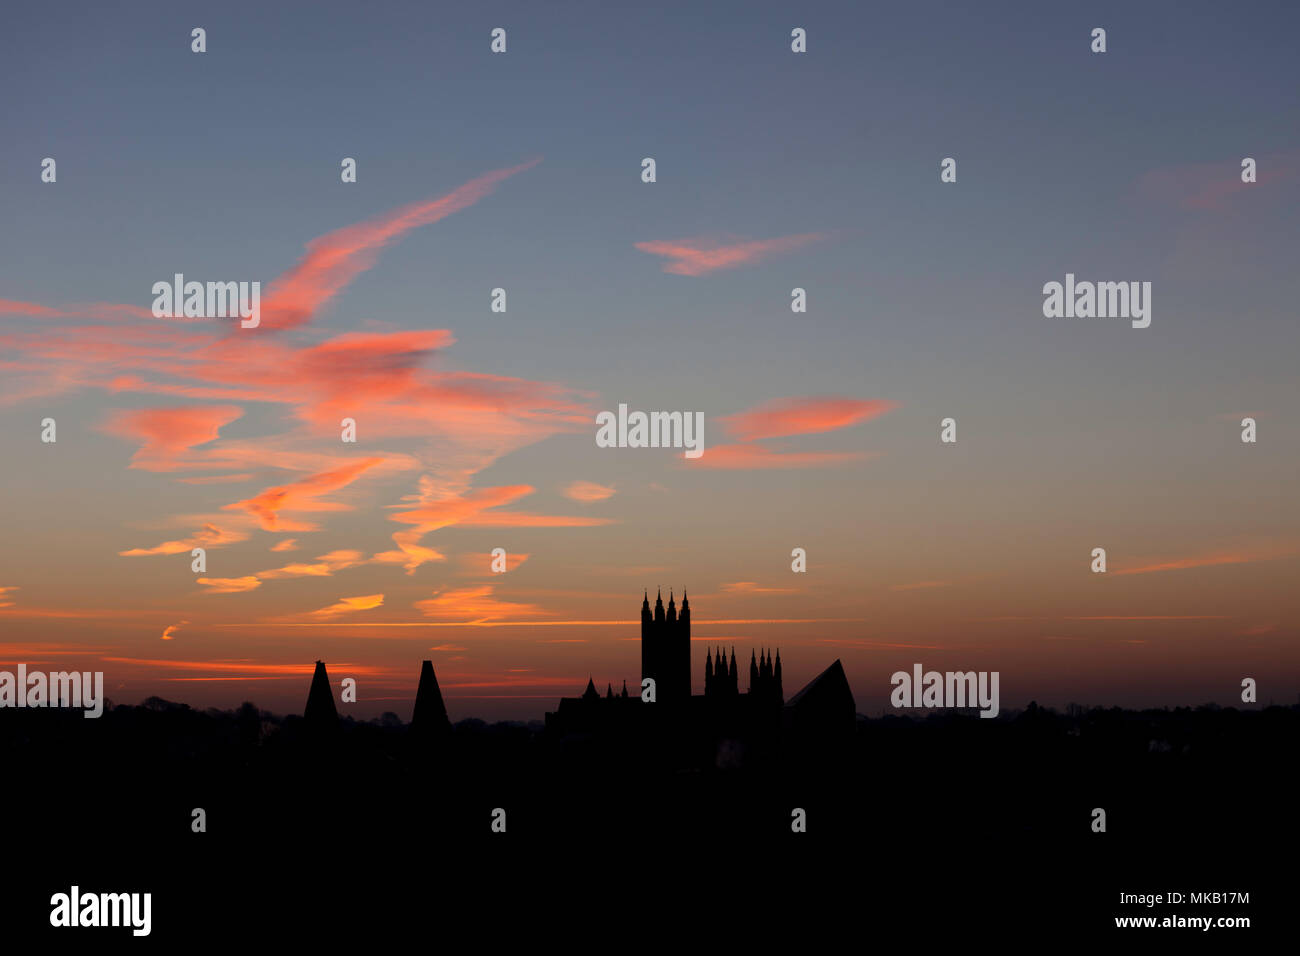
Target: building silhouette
x=724 y=717
x=666 y=648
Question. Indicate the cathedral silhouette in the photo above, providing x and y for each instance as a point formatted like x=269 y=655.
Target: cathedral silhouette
x=722 y=717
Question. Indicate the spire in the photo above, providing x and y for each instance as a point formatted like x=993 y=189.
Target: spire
x=625 y=687
x=320 y=710
x=590 y=692
x=430 y=713
x=645 y=603
x=659 y=605
x=609 y=691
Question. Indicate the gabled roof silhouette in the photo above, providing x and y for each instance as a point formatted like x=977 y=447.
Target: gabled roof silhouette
x=430 y=713
x=824 y=709
x=831 y=686
x=320 y=709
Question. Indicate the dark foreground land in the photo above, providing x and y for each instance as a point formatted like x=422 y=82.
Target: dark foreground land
x=917 y=829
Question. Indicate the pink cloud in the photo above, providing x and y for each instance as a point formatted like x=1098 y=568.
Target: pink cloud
x=697 y=257
x=302 y=495
x=740 y=457
x=803 y=416
x=168 y=433
x=1211 y=186
x=336 y=258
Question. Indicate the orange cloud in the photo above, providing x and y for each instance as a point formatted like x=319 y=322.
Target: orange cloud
x=1240 y=556
x=169 y=632
x=333 y=260
x=803 y=416
x=4 y=596
x=751 y=587
x=249 y=667
x=324 y=566
x=759 y=456
x=468 y=510
x=349 y=604
x=209 y=537
x=288 y=544
x=301 y=496
x=474 y=604
x=480 y=564
x=588 y=491
x=697 y=257
x=918 y=585
x=230 y=585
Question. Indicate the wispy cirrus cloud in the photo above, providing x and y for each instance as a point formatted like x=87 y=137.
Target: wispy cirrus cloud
x=475 y=510
x=1210 y=187
x=752 y=587
x=87 y=310
x=302 y=495
x=587 y=491
x=1239 y=555
x=230 y=585
x=209 y=536
x=336 y=258
x=700 y=256
x=473 y=605
x=323 y=567
x=168 y=433
x=803 y=416
x=749 y=456
x=788 y=417
x=348 y=605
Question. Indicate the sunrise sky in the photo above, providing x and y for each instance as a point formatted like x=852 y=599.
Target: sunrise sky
x=476 y=429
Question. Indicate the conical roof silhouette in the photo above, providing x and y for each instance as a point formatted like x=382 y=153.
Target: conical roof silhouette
x=430 y=712
x=320 y=709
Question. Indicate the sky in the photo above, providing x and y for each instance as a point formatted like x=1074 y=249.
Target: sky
x=476 y=429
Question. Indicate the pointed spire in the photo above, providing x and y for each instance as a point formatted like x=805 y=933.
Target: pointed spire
x=320 y=710
x=430 y=712
x=646 y=600
x=624 y=686
x=609 y=691
x=590 y=692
